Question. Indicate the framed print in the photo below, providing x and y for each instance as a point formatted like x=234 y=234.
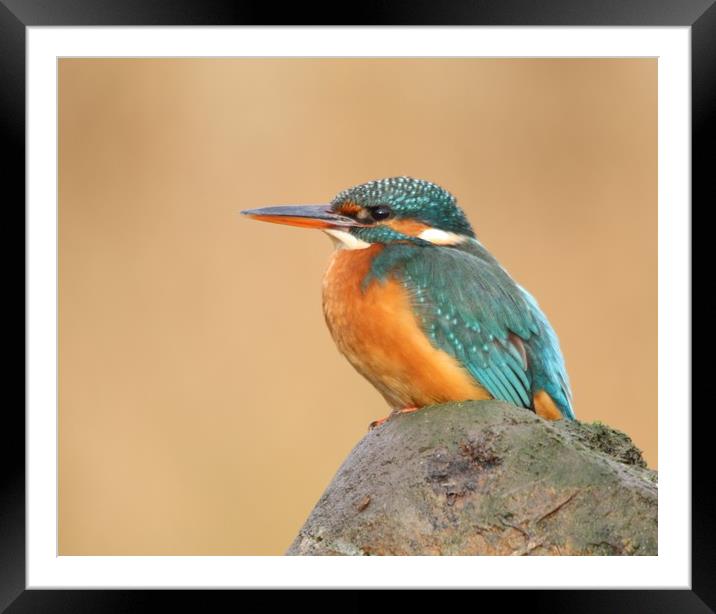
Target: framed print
x=188 y=422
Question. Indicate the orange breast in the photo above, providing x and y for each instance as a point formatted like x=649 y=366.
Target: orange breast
x=378 y=332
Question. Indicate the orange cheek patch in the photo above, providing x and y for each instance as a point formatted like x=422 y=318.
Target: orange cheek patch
x=411 y=228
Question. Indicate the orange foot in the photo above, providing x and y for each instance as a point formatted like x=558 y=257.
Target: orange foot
x=407 y=410
x=378 y=422
x=404 y=410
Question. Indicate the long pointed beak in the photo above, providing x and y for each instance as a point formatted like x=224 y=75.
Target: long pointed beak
x=305 y=216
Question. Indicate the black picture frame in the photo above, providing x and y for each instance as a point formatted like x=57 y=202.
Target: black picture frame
x=17 y=15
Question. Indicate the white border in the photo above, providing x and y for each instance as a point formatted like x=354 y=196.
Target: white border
x=670 y=569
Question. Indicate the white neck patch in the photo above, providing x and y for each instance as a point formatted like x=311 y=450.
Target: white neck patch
x=345 y=240
x=441 y=237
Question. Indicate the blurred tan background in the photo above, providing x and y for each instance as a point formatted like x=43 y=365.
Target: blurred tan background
x=203 y=406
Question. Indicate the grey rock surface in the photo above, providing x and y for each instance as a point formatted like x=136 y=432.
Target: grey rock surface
x=486 y=478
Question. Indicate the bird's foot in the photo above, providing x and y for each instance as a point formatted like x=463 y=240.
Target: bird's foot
x=377 y=423
x=404 y=410
x=407 y=410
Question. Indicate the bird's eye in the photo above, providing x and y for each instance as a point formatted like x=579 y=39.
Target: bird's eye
x=381 y=212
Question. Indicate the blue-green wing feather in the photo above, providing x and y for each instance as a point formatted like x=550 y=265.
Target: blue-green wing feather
x=469 y=306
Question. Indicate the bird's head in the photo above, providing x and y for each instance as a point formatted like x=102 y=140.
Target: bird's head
x=397 y=209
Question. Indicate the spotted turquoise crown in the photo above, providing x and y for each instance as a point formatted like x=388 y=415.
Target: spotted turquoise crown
x=408 y=198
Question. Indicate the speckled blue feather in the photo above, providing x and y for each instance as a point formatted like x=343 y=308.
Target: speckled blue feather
x=410 y=198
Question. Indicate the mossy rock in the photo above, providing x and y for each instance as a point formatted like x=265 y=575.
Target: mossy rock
x=486 y=478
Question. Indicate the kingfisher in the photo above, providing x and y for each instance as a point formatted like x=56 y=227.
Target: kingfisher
x=422 y=309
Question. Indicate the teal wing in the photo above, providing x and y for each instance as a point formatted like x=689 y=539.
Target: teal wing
x=470 y=307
